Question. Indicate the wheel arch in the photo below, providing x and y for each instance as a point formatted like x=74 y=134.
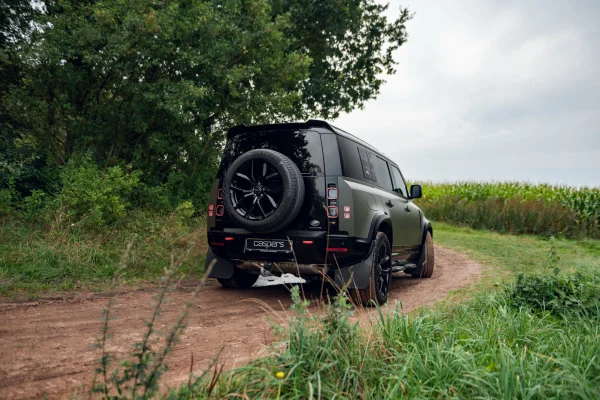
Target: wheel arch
x=381 y=222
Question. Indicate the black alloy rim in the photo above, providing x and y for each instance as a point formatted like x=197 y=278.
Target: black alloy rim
x=256 y=190
x=383 y=261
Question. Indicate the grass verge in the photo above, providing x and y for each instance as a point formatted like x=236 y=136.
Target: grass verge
x=36 y=259
x=508 y=255
x=490 y=347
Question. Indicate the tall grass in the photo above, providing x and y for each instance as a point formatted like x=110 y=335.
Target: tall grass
x=515 y=207
x=37 y=257
x=491 y=347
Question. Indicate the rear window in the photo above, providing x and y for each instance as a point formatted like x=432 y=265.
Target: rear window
x=302 y=147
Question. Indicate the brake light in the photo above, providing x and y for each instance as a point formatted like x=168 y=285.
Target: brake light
x=337 y=249
x=218 y=244
x=220 y=194
x=229 y=239
x=307 y=242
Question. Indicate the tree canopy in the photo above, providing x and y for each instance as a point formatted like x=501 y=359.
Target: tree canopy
x=153 y=85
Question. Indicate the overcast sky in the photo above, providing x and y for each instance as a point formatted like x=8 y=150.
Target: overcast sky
x=492 y=90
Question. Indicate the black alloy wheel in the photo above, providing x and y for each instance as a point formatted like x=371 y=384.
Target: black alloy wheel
x=256 y=189
x=381 y=275
x=382 y=264
x=263 y=191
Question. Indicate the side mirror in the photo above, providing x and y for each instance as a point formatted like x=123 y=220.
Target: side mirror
x=416 y=192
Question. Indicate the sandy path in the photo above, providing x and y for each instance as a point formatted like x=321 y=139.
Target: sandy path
x=45 y=345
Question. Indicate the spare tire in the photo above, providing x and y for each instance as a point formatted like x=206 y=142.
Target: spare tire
x=263 y=191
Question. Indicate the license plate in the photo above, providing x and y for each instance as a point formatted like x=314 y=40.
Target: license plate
x=268 y=245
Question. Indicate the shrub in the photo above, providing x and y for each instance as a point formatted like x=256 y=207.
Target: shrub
x=95 y=196
x=556 y=293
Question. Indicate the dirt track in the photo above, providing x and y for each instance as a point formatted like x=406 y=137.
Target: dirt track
x=45 y=345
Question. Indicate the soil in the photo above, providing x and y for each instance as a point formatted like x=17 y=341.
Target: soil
x=46 y=346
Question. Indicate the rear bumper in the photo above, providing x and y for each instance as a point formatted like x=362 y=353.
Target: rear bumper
x=350 y=268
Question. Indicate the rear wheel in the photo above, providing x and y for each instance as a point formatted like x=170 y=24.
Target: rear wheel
x=240 y=280
x=381 y=275
x=427 y=262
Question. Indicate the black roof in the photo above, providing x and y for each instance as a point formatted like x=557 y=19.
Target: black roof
x=310 y=124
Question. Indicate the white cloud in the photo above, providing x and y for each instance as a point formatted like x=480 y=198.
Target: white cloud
x=490 y=90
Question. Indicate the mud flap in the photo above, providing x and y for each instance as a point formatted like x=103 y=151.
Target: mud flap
x=357 y=276
x=219 y=267
x=417 y=270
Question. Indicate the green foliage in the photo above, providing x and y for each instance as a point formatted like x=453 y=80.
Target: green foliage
x=97 y=197
x=38 y=257
x=557 y=293
x=520 y=208
x=155 y=84
x=480 y=349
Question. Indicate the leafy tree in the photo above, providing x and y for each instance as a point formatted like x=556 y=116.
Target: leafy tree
x=155 y=84
x=21 y=169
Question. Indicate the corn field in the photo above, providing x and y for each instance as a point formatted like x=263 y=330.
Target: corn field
x=515 y=207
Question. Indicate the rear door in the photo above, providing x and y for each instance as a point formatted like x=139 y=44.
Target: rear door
x=410 y=230
x=405 y=220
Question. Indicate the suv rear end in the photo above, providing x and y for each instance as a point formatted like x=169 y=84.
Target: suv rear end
x=312 y=236
x=312 y=200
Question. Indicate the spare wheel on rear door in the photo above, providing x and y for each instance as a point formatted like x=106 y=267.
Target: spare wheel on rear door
x=263 y=191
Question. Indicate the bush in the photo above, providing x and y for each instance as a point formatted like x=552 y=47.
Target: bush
x=96 y=197
x=556 y=293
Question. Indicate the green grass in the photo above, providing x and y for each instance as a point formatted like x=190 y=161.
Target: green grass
x=484 y=348
x=37 y=259
x=513 y=254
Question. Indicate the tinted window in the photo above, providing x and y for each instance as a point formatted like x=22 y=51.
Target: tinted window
x=367 y=169
x=302 y=147
x=351 y=164
x=331 y=154
x=399 y=185
x=382 y=173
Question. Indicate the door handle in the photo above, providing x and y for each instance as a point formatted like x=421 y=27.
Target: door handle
x=407 y=208
x=389 y=203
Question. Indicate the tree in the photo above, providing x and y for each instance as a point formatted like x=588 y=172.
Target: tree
x=154 y=84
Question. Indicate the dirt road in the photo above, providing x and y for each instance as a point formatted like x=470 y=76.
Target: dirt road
x=45 y=346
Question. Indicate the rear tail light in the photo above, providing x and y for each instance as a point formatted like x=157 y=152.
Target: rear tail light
x=307 y=242
x=332 y=212
x=229 y=239
x=220 y=194
x=332 y=193
x=218 y=244
x=337 y=249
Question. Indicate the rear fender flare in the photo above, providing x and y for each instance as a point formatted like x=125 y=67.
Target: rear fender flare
x=378 y=219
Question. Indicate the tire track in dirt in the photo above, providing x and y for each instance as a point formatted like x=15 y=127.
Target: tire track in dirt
x=45 y=346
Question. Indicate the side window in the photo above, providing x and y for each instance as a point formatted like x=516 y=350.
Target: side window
x=366 y=165
x=380 y=167
x=399 y=185
x=351 y=162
